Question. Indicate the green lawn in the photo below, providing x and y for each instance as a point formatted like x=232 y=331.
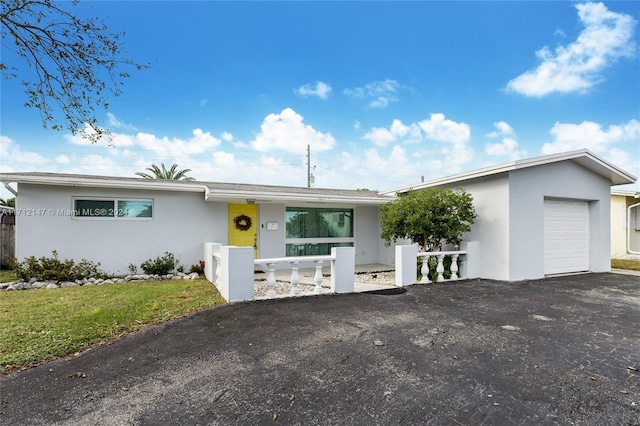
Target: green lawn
x=7 y=276
x=625 y=264
x=39 y=325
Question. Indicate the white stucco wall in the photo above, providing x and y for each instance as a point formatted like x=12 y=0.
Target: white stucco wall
x=491 y=228
x=271 y=243
x=367 y=235
x=181 y=223
x=564 y=180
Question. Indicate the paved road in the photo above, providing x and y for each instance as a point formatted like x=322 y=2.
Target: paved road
x=558 y=351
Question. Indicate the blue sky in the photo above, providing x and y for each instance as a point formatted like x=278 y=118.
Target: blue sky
x=383 y=92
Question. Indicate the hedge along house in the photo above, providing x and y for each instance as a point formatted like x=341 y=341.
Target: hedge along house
x=121 y=221
x=539 y=216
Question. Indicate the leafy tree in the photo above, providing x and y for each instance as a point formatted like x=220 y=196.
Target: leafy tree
x=75 y=62
x=9 y=202
x=162 y=173
x=429 y=217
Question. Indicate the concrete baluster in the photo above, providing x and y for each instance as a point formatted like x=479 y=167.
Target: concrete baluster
x=454 y=267
x=318 y=278
x=424 y=270
x=440 y=268
x=295 y=278
x=271 y=280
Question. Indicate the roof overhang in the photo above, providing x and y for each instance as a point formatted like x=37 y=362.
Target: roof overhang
x=625 y=193
x=221 y=192
x=254 y=197
x=100 y=182
x=583 y=157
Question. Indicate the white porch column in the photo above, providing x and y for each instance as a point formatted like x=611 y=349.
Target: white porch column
x=343 y=268
x=470 y=267
x=209 y=262
x=406 y=264
x=237 y=282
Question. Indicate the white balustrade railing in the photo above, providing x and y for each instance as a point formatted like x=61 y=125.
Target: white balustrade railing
x=406 y=256
x=439 y=255
x=270 y=266
x=231 y=270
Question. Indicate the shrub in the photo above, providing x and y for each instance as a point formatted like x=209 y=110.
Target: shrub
x=52 y=268
x=162 y=265
x=198 y=267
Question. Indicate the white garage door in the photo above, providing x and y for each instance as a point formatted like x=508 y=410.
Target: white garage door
x=566 y=236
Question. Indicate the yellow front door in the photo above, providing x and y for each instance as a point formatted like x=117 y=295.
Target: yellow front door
x=243 y=226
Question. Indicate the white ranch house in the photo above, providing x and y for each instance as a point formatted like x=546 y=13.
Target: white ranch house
x=537 y=217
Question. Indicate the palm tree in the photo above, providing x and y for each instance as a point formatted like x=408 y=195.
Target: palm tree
x=162 y=173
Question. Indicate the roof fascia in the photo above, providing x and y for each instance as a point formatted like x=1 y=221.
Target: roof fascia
x=151 y=184
x=583 y=157
x=270 y=197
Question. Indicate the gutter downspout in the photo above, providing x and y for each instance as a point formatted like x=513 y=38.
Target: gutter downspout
x=629 y=228
x=10 y=189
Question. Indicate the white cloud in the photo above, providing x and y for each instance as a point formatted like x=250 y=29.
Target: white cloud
x=625 y=161
x=226 y=136
x=164 y=148
x=319 y=89
x=439 y=128
x=381 y=92
x=15 y=159
x=590 y=135
x=508 y=145
x=379 y=102
x=578 y=66
x=454 y=154
x=287 y=132
x=382 y=136
x=115 y=123
x=502 y=129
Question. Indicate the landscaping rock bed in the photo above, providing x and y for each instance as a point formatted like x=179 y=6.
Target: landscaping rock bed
x=33 y=283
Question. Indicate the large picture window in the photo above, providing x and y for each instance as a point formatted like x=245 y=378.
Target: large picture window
x=314 y=231
x=113 y=208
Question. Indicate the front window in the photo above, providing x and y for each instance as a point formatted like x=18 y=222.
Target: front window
x=314 y=231
x=113 y=208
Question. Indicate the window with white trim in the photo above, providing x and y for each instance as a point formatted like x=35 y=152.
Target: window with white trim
x=113 y=208
x=314 y=231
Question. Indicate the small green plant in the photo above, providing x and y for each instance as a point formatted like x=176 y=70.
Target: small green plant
x=52 y=268
x=161 y=265
x=198 y=267
x=433 y=264
x=133 y=269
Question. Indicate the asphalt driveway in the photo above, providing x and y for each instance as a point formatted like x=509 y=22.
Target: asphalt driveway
x=564 y=350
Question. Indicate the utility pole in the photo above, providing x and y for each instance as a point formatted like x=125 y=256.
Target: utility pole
x=308 y=166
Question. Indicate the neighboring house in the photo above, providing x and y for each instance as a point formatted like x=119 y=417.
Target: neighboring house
x=7 y=236
x=120 y=221
x=536 y=217
x=625 y=224
x=540 y=216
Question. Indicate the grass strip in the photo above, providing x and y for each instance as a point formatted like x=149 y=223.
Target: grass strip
x=40 y=325
x=633 y=265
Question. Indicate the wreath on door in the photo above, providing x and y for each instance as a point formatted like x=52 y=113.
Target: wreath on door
x=243 y=222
